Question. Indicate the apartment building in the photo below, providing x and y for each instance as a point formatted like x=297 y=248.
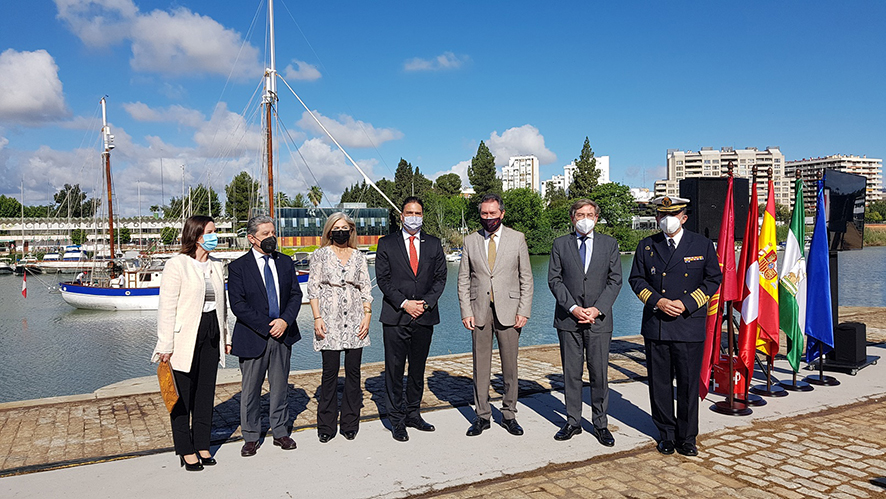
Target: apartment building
x=871 y=168
x=521 y=172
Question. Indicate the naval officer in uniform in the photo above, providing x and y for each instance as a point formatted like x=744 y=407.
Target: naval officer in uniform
x=675 y=272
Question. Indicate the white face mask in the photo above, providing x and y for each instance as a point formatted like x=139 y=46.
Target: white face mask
x=585 y=225
x=412 y=224
x=669 y=224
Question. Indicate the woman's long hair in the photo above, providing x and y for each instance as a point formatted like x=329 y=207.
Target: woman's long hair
x=327 y=227
x=193 y=230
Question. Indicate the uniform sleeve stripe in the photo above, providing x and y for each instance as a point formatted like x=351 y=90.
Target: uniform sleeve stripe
x=700 y=297
x=644 y=295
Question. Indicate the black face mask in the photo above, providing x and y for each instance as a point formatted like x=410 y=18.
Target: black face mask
x=490 y=225
x=268 y=244
x=340 y=236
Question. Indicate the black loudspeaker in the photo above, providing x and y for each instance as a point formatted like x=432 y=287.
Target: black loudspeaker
x=708 y=198
x=850 y=344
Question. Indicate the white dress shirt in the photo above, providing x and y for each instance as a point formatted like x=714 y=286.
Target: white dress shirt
x=417 y=242
x=260 y=261
x=488 y=235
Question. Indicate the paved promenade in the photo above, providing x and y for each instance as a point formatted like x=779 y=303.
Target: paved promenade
x=825 y=443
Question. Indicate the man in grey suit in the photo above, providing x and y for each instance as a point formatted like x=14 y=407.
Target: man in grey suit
x=495 y=296
x=584 y=275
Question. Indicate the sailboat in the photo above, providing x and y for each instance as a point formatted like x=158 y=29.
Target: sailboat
x=138 y=286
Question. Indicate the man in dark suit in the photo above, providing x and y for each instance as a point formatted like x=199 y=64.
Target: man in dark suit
x=410 y=270
x=265 y=296
x=584 y=275
x=675 y=272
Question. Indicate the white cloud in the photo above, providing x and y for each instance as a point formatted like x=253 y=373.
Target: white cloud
x=326 y=167
x=519 y=141
x=227 y=134
x=176 y=114
x=98 y=22
x=30 y=89
x=301 y=71
x=183 y=42
x=3 y=142
x=460 y=168
x=347 y=131
x=443 y=62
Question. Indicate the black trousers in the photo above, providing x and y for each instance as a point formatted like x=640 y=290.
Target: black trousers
x=411 y=342
x=352 y=397
x=666 y=360
x=192 y=415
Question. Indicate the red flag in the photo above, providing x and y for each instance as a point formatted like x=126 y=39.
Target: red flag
x=25 y=283
x=728 y=291
x=767 y=320
x=749 y=289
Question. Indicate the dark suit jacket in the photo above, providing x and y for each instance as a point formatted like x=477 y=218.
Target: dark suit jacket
x=692 y=275
x=249 y=302
x=571 y=285
x=397 y=282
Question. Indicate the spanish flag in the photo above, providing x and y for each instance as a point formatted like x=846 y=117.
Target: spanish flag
x=767 y=318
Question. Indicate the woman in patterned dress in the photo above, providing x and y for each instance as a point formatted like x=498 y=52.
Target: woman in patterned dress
x=339 y=291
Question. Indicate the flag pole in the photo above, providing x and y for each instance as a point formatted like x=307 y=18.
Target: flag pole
x=769 y=390
x=731 y=406
x=797 y=386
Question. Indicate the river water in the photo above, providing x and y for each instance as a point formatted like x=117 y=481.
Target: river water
x=48 y=348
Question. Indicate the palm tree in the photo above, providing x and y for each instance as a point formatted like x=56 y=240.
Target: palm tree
x=315 y=195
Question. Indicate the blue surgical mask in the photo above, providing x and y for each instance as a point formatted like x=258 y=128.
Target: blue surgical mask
x=210 y=241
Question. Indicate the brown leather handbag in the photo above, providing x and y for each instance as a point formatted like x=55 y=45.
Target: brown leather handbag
x=167 y=385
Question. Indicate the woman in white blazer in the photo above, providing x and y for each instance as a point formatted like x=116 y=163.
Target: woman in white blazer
x=192 y=335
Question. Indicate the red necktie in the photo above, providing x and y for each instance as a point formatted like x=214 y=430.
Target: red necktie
x=413 y=255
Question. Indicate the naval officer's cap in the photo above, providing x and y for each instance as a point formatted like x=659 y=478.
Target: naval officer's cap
x=670 y=204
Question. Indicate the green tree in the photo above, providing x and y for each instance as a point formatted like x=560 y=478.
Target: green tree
x=617 y=205
x=586 y=173
x=78 y=236
x=482 y=173
x=299 y=201
x=241 y=195
x=122 y=234
x=783 y=213
x=557 y=213
x=315 y=195
x=169 y=235
x=448 y=184
x=554 y=194
x=875 y=212
x=10 y=207
x=525 y=212
x=71 y=200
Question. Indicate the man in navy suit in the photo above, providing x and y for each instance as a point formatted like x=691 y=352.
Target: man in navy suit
x=265 y=296
x=410 y=270
x=675 y=272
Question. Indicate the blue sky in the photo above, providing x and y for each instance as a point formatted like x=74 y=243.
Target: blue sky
x=426 y=82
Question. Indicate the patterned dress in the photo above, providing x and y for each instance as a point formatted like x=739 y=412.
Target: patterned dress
x=341 y=290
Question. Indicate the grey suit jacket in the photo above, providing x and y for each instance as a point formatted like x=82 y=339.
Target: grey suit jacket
x=571 y=285
x=510 y=281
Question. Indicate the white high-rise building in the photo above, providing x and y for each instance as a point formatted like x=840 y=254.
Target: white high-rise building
x=565 y=180
x=871 y=168
x=709 y=162
x=522 y=171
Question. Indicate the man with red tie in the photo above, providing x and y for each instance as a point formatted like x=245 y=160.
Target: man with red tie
x=410 y=270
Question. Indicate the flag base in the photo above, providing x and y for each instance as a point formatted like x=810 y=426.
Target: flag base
x=881 y=482
x=754 y=400
x=821 y=380
x=769 y=391
x=736 y=408
x=799 y=386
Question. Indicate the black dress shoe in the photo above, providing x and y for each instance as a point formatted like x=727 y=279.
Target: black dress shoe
x=665 y=447
x=687 y=449
x=399 y=433
x=512 y=426
x=420 y=424
x=325 y=437
x=285 y=443
x=478 y=426
x=567 y=432
x=604 y=436
x=191 y=467
x=207 y=461
x=350 y=435
x=249 y=449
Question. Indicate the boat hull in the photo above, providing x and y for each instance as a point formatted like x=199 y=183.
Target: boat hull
x=100 y=298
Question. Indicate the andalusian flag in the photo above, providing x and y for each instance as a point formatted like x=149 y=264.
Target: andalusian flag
x=767 y=320
x=819 y=319
x=792 y=283
x=728 y=291
x=749 y=289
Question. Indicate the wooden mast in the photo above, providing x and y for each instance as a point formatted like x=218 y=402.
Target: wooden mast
x=108 y=141
x=268 y=100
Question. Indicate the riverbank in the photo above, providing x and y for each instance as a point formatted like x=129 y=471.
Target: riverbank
x=129 y=419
